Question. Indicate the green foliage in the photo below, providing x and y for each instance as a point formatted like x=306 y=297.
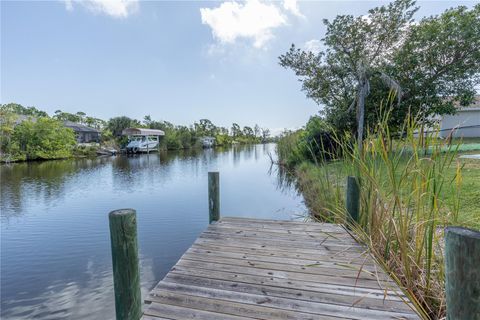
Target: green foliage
x=44 y=138
x=236 y=130
x=8 y=148
x=411 y=188
x=315 y=143
x=28 y=133
x=118 y=124
x=182 y=137
x=19 y=109
x=367 y=56
x=288 y=148
x=440 y=58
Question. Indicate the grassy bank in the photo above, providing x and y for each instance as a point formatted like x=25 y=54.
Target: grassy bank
x=309 y=177
x=411 y=189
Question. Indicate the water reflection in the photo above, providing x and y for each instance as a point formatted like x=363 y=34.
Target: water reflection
x=55 y=250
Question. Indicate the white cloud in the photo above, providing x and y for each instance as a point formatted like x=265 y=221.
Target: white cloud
x=113 y=8
x=252 y=20
x=313 y=46
x=292 y=6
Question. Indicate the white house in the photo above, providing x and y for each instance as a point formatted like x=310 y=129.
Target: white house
x=464 y=124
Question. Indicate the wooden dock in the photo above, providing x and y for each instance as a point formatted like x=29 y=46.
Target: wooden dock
x=266 y=269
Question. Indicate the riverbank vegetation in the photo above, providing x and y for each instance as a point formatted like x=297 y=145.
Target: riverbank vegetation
x=381 y=80
x=411 y=188
x=28 y=133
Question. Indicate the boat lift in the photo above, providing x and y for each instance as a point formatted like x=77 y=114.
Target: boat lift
x=142 y=140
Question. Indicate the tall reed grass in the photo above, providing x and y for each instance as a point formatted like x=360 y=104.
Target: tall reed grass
x=403 y=213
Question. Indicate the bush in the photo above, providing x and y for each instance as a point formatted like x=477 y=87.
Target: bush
x=44 y=138
x=404 y=206
x=316 y=143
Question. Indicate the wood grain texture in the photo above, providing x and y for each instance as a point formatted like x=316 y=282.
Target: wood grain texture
x=265 y=269
x=213 y=196
x=126 y=275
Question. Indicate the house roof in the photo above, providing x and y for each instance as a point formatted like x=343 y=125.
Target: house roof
x=142 y=132
x=77 y=127
x=474 y=106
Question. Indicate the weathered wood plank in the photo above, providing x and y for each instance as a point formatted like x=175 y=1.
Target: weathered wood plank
x=284 y=304
x=332 y=279
x=346 y=257
x=292 y=259
x=348 y=290
x=341 y=270
x=285 y=225
x=299 y=237
x=280 y=243
x=332 y=297
x=253 y=227
x=180 y=313
x=242 y=268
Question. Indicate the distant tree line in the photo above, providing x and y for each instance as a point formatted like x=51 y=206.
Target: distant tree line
x=28 y=133
x=184 y=137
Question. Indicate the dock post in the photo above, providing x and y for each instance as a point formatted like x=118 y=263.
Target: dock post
x=126 y=276
x=462 y=273
x=213 y=196
x=353 y=199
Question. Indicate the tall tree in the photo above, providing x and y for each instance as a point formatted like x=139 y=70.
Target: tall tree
x=427 y=64
x=265 y=134
x=236 y=130
x=248 y=132
x=118 y=124
x=439 y=63
x=256 y=130
x=357 y=48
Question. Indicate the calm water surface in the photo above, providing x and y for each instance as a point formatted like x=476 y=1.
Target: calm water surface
x=55 y=245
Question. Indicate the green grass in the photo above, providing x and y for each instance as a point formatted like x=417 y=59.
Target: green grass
x=309 y=180
x=411 y=188
x=469 y=193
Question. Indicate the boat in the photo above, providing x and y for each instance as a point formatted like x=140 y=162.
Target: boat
x=208 y=142
x=106 y=152
x=142 y=140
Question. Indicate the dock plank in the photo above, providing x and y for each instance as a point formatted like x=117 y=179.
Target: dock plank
x=266 y=269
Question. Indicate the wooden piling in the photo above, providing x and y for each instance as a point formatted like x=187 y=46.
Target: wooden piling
x=353 y=199
x=462 y=273
x=214 y=196
x=126 y=276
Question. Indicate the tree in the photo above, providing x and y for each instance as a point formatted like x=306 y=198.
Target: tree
x=147 y=120
x=45 y=138
x=96 y=123
x=81 y=116
x=205 y=127
x=426 y=64
x=265 y=134
x=439 y=63
x=118 y=124
x=357 y=48
x=66 y=116
x=256 y=130
x=236 y=130
x=7 y=125
x=26 y=111
x=248 y=132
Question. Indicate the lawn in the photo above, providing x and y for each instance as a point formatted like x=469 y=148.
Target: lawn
x=309 y=177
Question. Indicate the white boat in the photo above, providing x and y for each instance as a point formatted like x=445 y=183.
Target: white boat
x=142 y=140
x=208 y=142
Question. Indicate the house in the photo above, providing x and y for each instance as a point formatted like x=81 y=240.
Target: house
x=83 y=133
x=464 y=124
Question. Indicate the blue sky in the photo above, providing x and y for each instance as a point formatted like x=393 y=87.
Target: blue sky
x=177 y=61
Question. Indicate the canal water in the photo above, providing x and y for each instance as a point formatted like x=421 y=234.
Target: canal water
x=55 y=245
